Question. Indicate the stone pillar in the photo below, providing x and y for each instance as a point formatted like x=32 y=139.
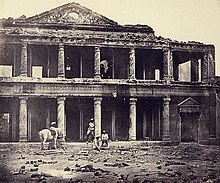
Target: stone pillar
x=24 y=60
x=23 y=120
x=166 y=120
x=81 y=127
x=204 y=64
x=61 y=121
x=167 y=65
x=113 y=123
x=175 y=71
x=97 y=58
x=194 y=69
x=61 y=62
x=211 y=65
x=97 y=115
x=212 y=114
x=132 y=63
x=132 y=119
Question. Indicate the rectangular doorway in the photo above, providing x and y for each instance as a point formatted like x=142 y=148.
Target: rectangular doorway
x=189 y=127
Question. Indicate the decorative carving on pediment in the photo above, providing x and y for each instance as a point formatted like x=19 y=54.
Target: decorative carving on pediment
x=71 y=13
x=189 y=102
x=189 y=106
x=15 y=30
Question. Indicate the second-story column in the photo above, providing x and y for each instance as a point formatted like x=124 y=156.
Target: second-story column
x=61 y=61
x=167 y=65
x=23 y=120
x=61 y=121
x=97 y=58
x=24 y=60
x=204 y=65
x=166 y=119
x=97 y=115
x=211 y=65
x=194 y=69
x=132 y=119
x=132 y=63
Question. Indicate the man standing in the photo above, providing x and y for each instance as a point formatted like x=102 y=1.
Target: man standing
x=91 y=131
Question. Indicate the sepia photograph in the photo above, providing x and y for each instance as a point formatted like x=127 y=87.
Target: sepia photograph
x=109 y=91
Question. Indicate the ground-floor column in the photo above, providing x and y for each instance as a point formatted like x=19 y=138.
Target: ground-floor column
x=132 y=119
x=113 y=123
x=23 y=125
x=81 y=126
x=166 y=119
x=212 y=113
x=61 y=115
x=97 y=115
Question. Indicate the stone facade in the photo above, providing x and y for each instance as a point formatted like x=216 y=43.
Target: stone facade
x=70 y=64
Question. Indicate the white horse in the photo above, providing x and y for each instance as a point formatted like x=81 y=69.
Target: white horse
x=47 y=135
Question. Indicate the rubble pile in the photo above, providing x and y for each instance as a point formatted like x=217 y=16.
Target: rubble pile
x=137 y=164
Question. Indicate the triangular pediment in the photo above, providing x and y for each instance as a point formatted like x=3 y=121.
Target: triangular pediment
x=71 y=13
x=189 y=102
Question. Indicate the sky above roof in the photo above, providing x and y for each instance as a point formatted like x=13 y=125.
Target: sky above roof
x=188 y=20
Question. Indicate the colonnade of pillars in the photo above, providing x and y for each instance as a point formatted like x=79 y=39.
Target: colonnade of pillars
x=207 y=70
x=23 y=118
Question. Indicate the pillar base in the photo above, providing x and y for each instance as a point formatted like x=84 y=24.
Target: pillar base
x=23 y=75
x=97 y=77
x=132 y=139
x=212 y=136
x=22 y=140
x=166 y=138
x=61 y=76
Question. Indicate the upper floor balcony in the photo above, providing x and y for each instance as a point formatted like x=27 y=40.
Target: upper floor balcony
x=86 y=64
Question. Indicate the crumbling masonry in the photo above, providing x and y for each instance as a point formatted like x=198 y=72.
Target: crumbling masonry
x=70 y=64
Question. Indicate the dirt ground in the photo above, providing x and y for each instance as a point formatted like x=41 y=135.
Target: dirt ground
x=121 y=162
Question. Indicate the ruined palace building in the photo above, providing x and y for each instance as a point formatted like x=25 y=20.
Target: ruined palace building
x=70 y=64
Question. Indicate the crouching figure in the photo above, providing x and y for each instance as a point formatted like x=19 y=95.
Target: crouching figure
x=52 y=135
x=97 y=143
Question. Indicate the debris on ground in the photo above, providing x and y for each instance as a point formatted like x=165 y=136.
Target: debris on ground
x=186 y=162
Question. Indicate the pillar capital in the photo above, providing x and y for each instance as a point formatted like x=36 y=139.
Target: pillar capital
x=132 y=101
x=23 y=98
x=24 y=45
x=97 y=49
x=61 y=99
x=167 y=99
x=97 y=100
x=166 y=49
x=131 y=50
x=61 y=46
